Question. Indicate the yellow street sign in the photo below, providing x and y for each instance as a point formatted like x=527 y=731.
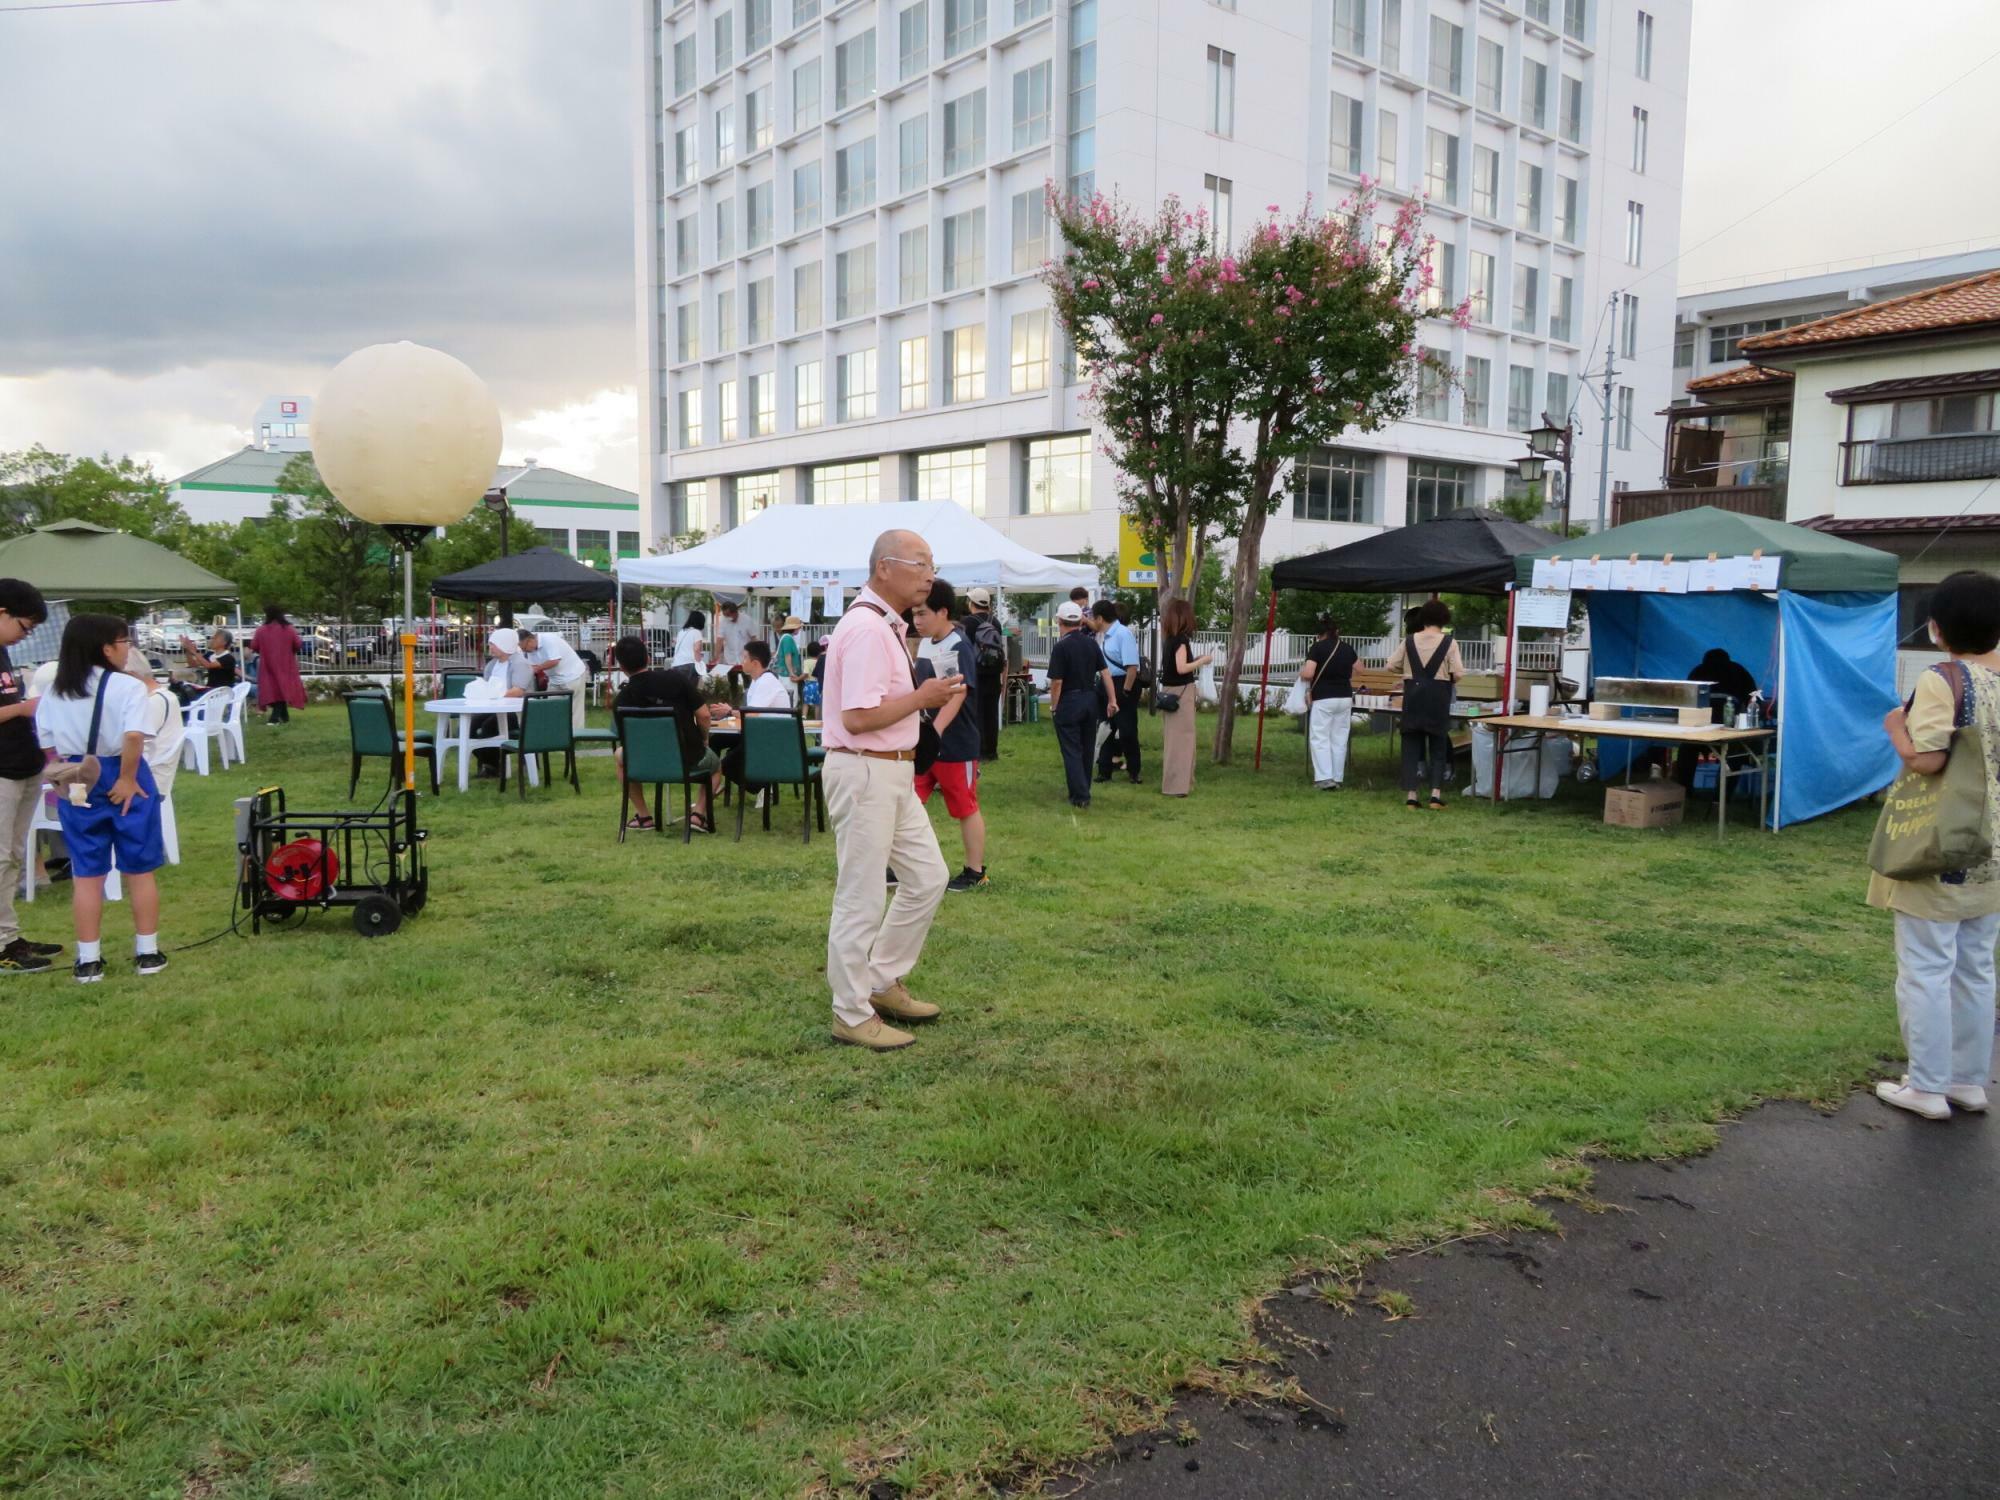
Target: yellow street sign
x=1138 y=567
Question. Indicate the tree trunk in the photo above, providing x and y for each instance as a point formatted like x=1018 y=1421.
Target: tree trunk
x=1242 y=605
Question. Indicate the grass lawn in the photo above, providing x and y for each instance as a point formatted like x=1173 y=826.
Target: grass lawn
x=563 y=1190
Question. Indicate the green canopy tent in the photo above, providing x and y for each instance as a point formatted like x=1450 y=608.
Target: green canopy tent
x=77 y=563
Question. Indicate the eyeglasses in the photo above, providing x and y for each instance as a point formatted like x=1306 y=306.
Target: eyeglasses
x=910 y=562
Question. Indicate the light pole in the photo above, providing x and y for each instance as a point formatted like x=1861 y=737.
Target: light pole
x=1546 y=442
x=496 y=500
x=406 y=437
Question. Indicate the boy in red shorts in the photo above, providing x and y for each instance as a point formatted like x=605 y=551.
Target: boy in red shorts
x=943 y=649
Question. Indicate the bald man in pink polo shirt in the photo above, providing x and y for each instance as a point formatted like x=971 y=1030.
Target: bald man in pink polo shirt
x=870 y=716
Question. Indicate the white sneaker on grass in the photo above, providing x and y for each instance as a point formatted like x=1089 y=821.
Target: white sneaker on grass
x=1967 y=1096
x=1916 y=1101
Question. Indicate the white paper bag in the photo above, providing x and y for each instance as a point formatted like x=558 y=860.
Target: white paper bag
x=1298 y=700
x=1204 y=684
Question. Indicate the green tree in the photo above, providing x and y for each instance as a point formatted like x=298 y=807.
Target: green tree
x=38 y=486
x=348 y=564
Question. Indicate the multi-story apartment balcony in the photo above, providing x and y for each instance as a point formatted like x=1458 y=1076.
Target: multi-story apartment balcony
x=1921 y=460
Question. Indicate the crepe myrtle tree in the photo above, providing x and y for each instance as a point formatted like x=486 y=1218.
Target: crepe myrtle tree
x=1154 y=310
x=1328 y=310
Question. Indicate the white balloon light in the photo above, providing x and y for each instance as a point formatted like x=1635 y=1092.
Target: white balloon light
x=405 y=435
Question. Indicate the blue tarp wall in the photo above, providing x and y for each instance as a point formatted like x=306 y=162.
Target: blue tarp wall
x=1840 y=678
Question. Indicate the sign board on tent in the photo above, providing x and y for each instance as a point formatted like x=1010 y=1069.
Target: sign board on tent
x=1541 y=609
x=1628 y=575
x=1138 y=566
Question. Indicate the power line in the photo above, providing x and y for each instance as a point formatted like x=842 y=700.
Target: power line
x=82 y=5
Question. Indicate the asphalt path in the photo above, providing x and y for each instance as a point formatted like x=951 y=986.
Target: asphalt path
x=1812 y=1309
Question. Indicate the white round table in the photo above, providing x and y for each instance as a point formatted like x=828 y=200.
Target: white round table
x=461 y=712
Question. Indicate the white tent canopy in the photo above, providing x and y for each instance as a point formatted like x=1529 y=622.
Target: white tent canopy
x=785 y=546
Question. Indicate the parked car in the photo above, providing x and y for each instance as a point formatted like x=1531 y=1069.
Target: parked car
x=327 y=652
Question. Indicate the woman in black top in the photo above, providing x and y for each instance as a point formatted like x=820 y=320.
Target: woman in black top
x=219 y=667
x=1178 y=666
x=1330 y=669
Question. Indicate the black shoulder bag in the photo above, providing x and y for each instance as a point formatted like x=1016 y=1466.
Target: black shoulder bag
x=927 y=735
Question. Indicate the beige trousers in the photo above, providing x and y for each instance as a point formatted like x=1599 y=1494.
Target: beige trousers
x=579 y=699
x=18 y=800
x=878 y=826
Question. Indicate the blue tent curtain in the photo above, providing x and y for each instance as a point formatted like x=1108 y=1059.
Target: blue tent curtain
x=1839 y=668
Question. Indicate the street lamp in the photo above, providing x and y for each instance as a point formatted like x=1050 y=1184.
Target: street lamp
x=496 y=501
x=406 y=437
x=1546 y=442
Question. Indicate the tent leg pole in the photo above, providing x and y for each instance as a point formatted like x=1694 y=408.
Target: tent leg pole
x=1264 y=679
x=1507 y=701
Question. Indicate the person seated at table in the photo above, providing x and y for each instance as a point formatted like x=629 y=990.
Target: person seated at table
x=676 y=688
x=762 y=689
x=218 y=666
x=508 y=670
x=1727 y=678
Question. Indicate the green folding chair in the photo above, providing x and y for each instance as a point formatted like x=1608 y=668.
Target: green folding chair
x=372 y=731
x=544 y=731
x=775 y=754
x=455 y=683
x=649 y=744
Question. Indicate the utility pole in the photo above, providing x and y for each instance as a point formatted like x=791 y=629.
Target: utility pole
x=1604 y=454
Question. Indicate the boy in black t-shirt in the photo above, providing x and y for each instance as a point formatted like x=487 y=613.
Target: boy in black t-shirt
x=22 y=608
x=679 y=689
x=944 y=650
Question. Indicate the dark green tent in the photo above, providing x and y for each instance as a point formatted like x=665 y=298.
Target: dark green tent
x=79 y=563
x=1811 y=561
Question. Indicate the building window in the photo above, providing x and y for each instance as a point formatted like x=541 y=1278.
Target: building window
x=1920 y=439
x=808 y=395
x=725 y=321
x=805 y=95
x=913 y=153
x=1568 y=220
x=1447 y=56
x=1572 y=110
x=1527 y=299
x=1478 y=391
x=1082 y=165
x=847 y=484
x=1535 y=93
x=687 y=331
x=913 y=39
x=854 y=70
x=690 y=418
x=1221 y=211
x=1028 y=353
x=965 y=250
x=964 y=25
x=1639 y=124
x=554 y=536
x=1058 y=476
x=854 y=282
x=964 y=132
x=1437 y=489
x=756 y=25
x=1482 y=284
x=725 y=411
x=725 y=134
x=725 y=228
x=1562 y=309
x=1635 y=232
x=1642 y=63
x=687 y=157
x=1031 y=106
x=687 y=244
x=761 y=303
x=1350 y=26
x=805 y=196
x=1332 y=484
x=913 y=370
x=807 y=311
x=1392 y=35
x=1724 y=338
x=1624 y=438
x=1433 y=389
x=1576 y=19
x=1492 y=60
x=965 y=363
x=913 y=264
x=757 y=120
x=1221 y=91
x=857 y=385
x=1684 y=346
x=1558 y=407
x=957 y=475
x=1520 y=397
x=763 y=404
x=593 y=546
x=755 y=492
x=1028 y=10
x=628 y=544
x=1443 y=264
x=1628 y=326
x=683 y=66
x=758 y=210
x=1485 y=182
x=1029 y=212
x=854 y=176
x=725 y=40
x=1528 y=197
x=687 y=507
x=1388 y=133
x=1344 y=134
x=1441 y=166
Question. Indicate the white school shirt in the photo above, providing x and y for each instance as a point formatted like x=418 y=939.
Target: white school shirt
x=684 y=647
x=768 y=691
x=558 y=658
x=166 y=729
x=732 y=636
x=63 y=724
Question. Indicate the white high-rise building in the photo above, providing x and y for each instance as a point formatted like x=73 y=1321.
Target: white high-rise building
x=842 y=228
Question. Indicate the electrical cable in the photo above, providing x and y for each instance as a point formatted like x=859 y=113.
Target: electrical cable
x=83 y=5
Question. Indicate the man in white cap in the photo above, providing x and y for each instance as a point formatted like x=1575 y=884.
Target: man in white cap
x=1076 y=667
x=989 y=646
x=508 y=670
x=548 y=652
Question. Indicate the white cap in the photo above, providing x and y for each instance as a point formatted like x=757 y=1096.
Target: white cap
x=1069 y=611
x=505 y=639
x=979 y=597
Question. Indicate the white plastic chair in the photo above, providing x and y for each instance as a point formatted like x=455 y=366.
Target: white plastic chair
x=46 y=822
x=239 y=700
x=207 y=719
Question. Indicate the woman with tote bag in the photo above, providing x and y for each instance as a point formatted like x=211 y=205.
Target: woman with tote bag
x=1946 y=923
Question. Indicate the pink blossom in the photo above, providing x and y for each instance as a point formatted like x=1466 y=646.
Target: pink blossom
x=1091 y=284
x=1158 y=319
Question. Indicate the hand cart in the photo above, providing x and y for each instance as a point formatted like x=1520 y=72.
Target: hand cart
x=370 y=861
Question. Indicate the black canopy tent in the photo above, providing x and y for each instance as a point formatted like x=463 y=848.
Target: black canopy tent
x=541 y=575
x=1465 y=551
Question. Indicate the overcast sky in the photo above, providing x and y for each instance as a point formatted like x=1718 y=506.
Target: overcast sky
x=206 y=202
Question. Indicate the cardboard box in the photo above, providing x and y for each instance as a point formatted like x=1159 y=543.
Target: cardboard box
x=1645 y=804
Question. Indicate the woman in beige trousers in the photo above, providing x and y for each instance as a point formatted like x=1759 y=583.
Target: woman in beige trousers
x=1178 y=666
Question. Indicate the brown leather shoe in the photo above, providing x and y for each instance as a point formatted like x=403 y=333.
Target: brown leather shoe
x=872 y=1033
x=900 y=1003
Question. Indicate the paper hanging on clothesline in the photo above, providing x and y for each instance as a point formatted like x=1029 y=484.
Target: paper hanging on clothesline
x=1552 y=573
x=1632 y=576
x=802 y=601
x=1700 y=575
x=1589 y=573
x=1760 y=572
x=1671 y=578
x=836 y=601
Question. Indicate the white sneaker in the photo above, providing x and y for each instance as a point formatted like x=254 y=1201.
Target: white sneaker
x=1967 y=1096
x=1916 y=1101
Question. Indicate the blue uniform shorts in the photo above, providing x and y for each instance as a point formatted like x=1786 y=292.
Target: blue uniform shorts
x=94 y=830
